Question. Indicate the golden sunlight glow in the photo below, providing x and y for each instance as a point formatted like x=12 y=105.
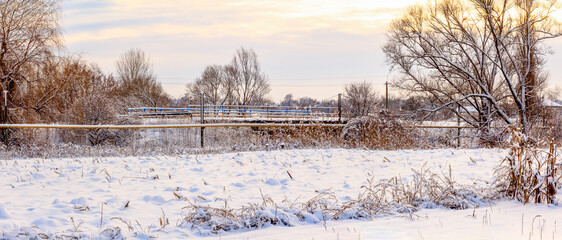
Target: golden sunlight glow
x=246 y=18
x=558 y=15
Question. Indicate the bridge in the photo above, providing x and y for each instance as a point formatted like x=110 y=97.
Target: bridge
x=244 y=113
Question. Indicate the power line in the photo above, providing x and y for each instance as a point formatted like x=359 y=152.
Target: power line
x=331 y=97
x=283 y=85
x=306 y=85
x=287 y=79
x=286 y=85
x=328 y=78
x=283 y=79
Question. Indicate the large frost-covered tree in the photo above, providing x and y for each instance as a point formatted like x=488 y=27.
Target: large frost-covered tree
x=477 y=54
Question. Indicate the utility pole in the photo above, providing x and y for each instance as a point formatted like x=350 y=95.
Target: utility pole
x=202 y=113
x=339 y=107
x=386 y=101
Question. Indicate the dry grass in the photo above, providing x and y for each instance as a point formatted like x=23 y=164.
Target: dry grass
x=385 y=197
x=425 y=190
x=369 y=133
x=377 y=133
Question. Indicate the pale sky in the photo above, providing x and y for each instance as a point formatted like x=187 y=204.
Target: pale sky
x=307 y=48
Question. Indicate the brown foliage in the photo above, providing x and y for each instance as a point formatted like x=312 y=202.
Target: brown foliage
x=377 y=133
x=29 y=32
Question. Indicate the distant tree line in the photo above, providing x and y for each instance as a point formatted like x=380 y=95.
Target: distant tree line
x=291 y=101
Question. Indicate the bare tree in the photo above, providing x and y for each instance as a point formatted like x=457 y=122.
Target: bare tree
x=288 y=100
x=251 y=82
x=215 y=84
x=89 y=99
x=65 y=80
x=70 y=83
x=137 y=81
x=472 y=53
x=29 y=31
x=307 y=102
x=71 y=91
x=240 y=82
x=360 y=98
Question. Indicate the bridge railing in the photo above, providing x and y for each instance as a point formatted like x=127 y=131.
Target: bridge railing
x=240 y=111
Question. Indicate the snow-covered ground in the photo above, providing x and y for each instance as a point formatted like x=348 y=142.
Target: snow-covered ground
x=91 y=197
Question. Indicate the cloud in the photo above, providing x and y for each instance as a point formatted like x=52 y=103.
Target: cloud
x=215 y=19
x=297 y=41
x=323 y=43
x=87 y=5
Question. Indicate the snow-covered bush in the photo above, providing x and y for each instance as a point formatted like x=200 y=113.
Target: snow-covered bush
x=210 y=220
x=377 y=198
x=528 y=173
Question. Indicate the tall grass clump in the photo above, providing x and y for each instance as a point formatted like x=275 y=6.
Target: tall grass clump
x=426 y=189
x=209 y=220
x=529 y=174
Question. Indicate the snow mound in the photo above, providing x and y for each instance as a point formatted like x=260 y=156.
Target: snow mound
x=4 y=214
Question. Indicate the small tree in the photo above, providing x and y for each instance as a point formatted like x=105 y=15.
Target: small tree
x=360 y=98
x=240 y=82
x=215 y=84
x=288 y=100
x=137 y=81
x=251 y=83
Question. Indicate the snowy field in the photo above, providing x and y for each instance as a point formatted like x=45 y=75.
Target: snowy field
x=146 y=197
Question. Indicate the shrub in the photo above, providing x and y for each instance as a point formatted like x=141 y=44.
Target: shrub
x=377 y=133
x=528 y=173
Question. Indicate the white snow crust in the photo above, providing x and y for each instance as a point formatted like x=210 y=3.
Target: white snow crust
x=66 y=197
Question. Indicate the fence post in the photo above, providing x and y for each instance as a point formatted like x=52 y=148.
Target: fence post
x=202 y=113
x=6 y=130
x=459 y=127
x=339 y=107
x=386 y=96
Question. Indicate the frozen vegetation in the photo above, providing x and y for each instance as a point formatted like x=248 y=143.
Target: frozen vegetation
x=282 y=194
